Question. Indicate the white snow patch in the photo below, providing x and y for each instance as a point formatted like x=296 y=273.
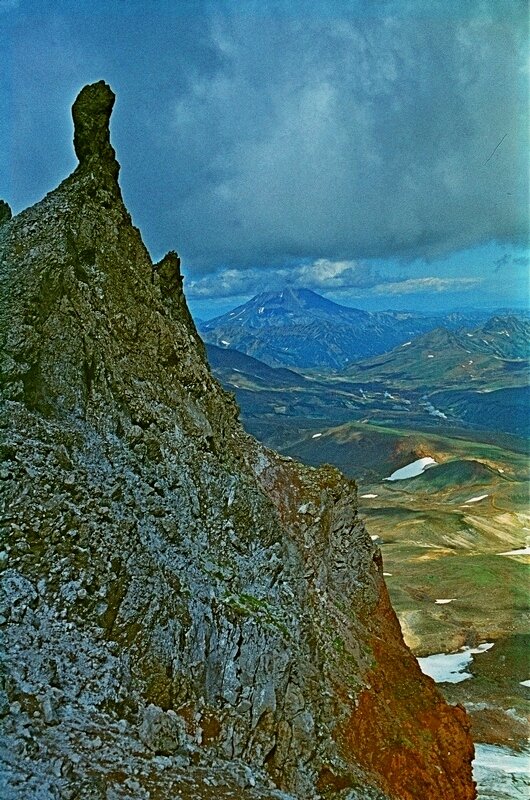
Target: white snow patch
x=524 y=683
x=502 y=772
x=226 y=344
x=444 y=601
x=477 y=499
x=387 y=574
x=493 y=757
x=523 y=551
x=261 y=309
x=501 y=471
x=374 y=538
x=368 y=495
x=406 y=344
x=430 y=356
x=438 y=413
x=316 y=435
x=411 y=470
x=451 y=667
x=434 y=412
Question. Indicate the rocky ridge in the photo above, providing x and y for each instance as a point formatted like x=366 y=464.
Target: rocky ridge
x=183 y=612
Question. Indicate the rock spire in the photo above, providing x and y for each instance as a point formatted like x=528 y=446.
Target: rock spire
x=91 y=114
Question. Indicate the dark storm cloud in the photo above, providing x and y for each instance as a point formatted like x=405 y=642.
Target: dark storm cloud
x=282 y=133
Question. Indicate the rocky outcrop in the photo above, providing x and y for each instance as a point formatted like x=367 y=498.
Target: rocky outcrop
x=183 y=612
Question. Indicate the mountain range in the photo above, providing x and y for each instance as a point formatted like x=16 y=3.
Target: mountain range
x=495 y=353
x=476 y=378
x=299 y=328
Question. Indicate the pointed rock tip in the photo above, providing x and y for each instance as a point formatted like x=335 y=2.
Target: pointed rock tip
x=91 y=114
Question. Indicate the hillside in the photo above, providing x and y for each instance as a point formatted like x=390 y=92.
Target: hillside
x=236 y=366
x=493 y=355
x=455 y=542
x=476 y=377
x=184 y=613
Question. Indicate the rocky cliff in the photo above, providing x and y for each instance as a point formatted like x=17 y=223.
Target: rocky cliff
x=183 y=613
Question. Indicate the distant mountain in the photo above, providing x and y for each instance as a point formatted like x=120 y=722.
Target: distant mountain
x=506 y=336
x=299 y=328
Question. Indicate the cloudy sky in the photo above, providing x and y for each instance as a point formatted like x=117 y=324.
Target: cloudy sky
x=376 y=152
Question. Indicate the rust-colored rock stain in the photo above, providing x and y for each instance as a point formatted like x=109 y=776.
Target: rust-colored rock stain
x=402 y=729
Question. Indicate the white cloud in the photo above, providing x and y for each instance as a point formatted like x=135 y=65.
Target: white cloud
x=322 y=274
x=430 y=285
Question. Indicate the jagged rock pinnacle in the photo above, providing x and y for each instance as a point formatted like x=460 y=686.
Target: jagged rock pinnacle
x=5 y=212
x=168 y=271
x=91 y=114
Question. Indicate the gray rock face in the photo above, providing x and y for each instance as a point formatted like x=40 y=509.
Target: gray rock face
x=182 y=611
x=162 y=731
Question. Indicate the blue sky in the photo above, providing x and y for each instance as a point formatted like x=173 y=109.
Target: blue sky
x=374 y=152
